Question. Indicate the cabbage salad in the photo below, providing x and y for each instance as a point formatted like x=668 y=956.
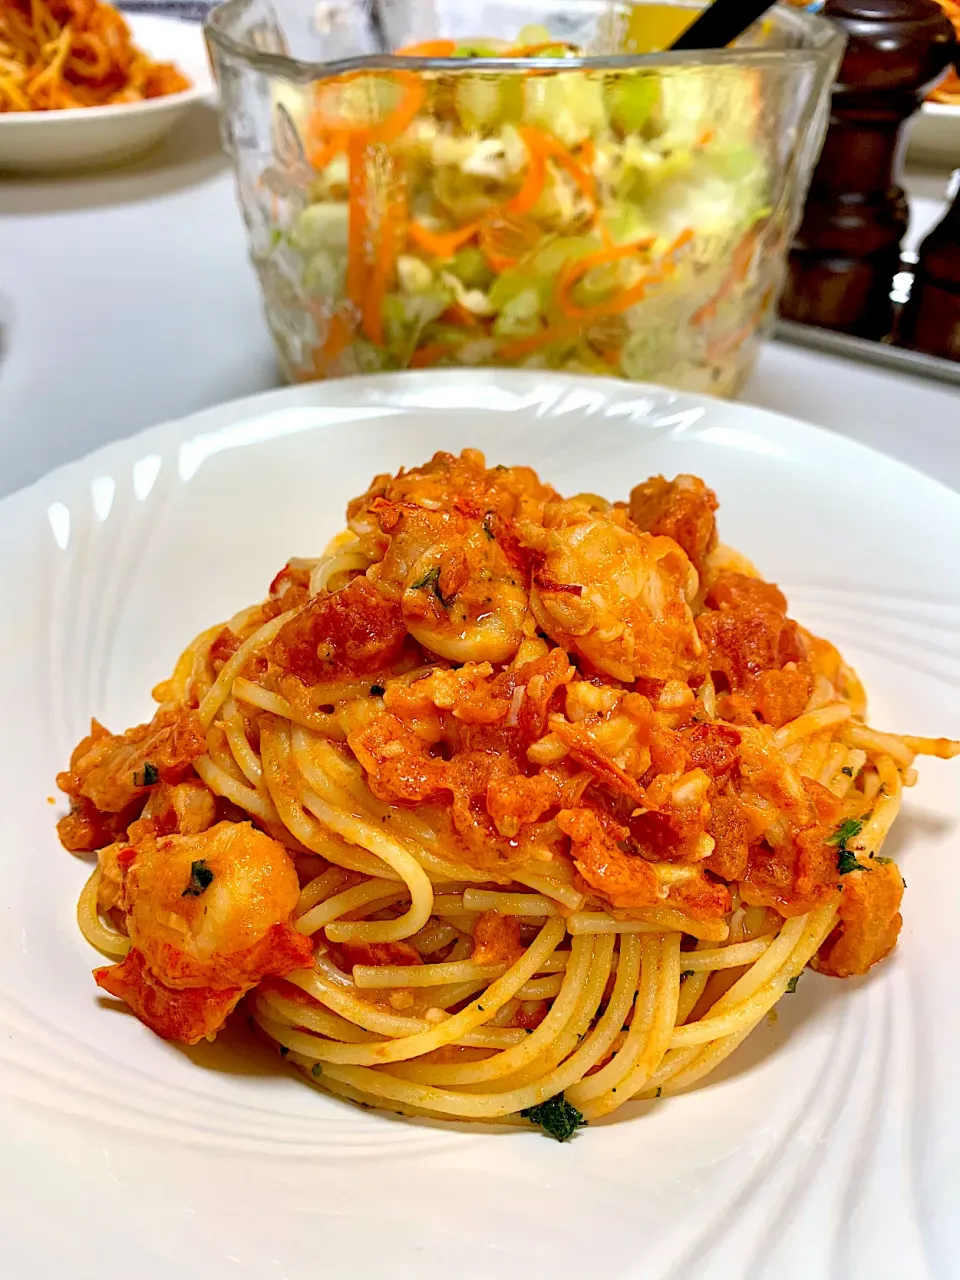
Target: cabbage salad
x=614 y=222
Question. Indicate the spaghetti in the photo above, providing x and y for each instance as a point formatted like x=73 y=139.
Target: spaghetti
x=58 y=54
x=508 y=808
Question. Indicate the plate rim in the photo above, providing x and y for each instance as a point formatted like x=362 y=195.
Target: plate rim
x=225 y=413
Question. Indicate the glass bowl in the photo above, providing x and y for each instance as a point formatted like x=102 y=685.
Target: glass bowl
x=518 y=183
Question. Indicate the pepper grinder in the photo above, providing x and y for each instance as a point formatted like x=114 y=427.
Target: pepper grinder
x=930 y=321
x=847 y=250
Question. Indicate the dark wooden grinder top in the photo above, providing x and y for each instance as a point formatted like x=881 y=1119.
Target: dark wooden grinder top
x=847 y=250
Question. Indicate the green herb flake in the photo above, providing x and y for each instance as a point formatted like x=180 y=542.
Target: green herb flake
x=659 y=1093
x=316 y=1071
x=687 y=973
x=431 y=582
x=847 y=829
x=377 y=691
x=847 y=770
x=884 y=862
x=792 y=985
x=846 y=858
x=201 y=878
x=847 y=862
x=284 y=1050
x=557 y=1117
x=146 y=776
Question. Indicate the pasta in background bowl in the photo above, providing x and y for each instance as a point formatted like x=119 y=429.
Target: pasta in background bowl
x=138 y=102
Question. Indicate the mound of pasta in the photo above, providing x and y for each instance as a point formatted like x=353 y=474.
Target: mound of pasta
x=509 y=807
x=59 y=54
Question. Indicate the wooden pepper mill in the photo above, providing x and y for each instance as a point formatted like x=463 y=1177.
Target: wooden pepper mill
x=847 y=250
x=930 y=321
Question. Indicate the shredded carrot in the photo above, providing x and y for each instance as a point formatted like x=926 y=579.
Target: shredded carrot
x=357 y=222
x=541 y=147
x=340 y=330
x=456 y=313
x=723 y=346
x=428 y=49
x=573 y=272
x=321 y=150
x=575 y=317
x=387 y=129
x=531 y=50
x=740 y=261
x=390 y=237
x=507 y=238
x=427 y=356
x=627 y=298
x=442 y=244
x=520 y=347
x=526 y=198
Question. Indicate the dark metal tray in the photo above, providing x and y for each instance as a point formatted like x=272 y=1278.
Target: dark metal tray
x=883 y=354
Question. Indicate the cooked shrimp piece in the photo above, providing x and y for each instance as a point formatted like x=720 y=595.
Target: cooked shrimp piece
x=496 y=939
x=870 y=921
x=444 y=539
x=206 y=911
x=460 y=595
x=111 y=770
x=681 y=509
x=618 y=597
x=188 y=1015
x=355 y=630
x=184 y=809
x=611 y=862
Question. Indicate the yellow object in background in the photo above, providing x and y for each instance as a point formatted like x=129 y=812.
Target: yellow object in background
x=654 y=27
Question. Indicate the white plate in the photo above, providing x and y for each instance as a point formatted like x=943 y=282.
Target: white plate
x=47 y=141
x=934 y=135
x=828 y=1146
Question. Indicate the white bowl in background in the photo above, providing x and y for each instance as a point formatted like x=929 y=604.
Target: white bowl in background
x=89 y=137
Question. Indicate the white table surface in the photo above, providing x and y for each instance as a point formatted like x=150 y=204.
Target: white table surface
x=129 y=300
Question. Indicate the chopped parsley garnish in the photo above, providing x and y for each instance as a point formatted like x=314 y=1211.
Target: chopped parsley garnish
x=146 y=776
x=792 y=985
x=316 y=1071
x=284 y=1050
x=377 y=691
x=201 y=878
x=848 y=770
x=431 y=582
x=884 y=862
x=846 y=858
x=557 y=1117
x=847 y=862
x=847 y=829
x=687 y=973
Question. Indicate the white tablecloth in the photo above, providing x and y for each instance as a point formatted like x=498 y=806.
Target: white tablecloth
x=129 y=300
